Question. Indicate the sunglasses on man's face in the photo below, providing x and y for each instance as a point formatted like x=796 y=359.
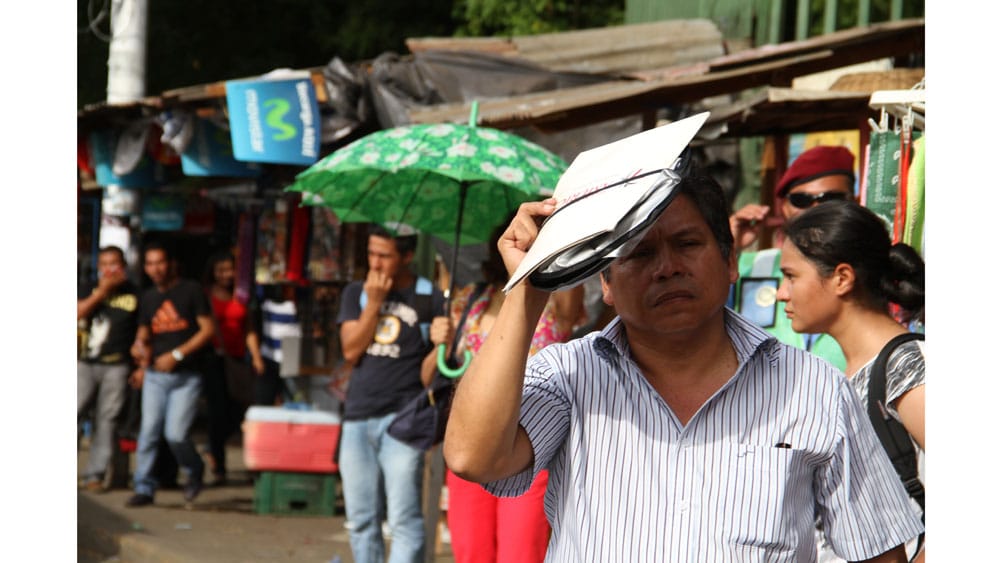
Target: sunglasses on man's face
x=803 y=200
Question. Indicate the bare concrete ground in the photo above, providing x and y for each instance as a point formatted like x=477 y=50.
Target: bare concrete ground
x=220 y=527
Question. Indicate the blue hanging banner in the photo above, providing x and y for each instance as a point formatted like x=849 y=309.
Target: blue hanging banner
x=147 y=173
x=274 y=121
x=162 y=212
x=210 y=153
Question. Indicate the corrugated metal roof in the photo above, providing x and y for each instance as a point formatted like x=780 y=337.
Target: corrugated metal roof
x=568 y=108
x=782 y=111
x=616 y=50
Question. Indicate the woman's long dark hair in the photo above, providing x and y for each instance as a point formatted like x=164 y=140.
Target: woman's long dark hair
x=844 y=232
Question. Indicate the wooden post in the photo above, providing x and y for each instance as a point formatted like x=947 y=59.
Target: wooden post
x=433 y=480
x=774 y=162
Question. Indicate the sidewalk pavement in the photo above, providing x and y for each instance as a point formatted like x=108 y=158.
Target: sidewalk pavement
x=220 y=527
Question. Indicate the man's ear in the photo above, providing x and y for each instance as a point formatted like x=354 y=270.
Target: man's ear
x=608 y=298
x=407 y=258
x=843 y=279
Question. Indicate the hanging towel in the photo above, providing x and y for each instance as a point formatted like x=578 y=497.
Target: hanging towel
x=913 y=231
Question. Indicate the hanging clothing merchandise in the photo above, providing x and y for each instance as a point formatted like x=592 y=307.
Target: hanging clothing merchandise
x=244 y=257
x=300 y=218
x=913 y=227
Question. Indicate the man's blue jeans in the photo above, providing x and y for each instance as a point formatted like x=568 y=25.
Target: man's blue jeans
x=372 y=461
x=169 y=405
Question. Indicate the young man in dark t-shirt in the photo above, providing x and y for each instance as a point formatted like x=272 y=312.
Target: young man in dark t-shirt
x=108 y=310
x=392 y=362
x=175 y=330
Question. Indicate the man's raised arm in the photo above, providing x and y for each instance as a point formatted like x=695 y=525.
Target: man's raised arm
x=483 y=441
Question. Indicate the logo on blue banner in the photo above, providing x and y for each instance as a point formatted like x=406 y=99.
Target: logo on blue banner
x=273 y=120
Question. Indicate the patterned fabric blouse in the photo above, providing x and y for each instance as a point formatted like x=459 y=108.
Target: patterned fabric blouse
x=904 y=371
x=546 y=332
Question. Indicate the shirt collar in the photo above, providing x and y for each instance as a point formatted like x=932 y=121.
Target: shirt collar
x=611 y=344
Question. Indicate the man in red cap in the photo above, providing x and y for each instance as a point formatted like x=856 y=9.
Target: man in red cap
x=820 y=174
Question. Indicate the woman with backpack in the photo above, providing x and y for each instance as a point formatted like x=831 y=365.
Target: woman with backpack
x=841 y=273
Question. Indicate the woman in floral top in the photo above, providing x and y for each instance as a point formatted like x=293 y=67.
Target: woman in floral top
x=485 y=528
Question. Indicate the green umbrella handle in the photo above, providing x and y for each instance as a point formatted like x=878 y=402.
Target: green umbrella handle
x=443 y=365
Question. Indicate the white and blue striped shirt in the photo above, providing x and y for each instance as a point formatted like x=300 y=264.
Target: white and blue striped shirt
x=628 y=482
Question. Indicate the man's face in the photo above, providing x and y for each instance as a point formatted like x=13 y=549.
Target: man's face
x=836 y=184
x=109 y=263
x=157 y=266
x=676 y=278
x=384 y=257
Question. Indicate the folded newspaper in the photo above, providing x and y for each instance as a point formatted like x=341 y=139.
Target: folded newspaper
x=605 y=202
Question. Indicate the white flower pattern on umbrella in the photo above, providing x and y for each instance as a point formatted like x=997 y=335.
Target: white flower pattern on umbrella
x=409 y=144
x=369 y=158
x=502 y=152
x=409 y=160
x=440 y=130
x=509 y=174
x=461 y=149
x=537 y=164
x=487 y=134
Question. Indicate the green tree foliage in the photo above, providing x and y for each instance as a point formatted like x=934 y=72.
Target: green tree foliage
x=193 y=42
x=529 y=17
x=202 y=41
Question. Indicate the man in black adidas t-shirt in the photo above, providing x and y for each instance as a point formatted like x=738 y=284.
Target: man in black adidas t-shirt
x=175 y=331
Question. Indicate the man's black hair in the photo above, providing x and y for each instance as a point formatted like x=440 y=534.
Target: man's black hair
x=115 y=249
x=404 y=243
x=161 y=246
x=708 y=197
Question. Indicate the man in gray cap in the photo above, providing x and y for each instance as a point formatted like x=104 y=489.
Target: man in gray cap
x=822 y=173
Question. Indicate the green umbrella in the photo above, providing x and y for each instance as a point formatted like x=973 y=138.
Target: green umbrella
x=448 y=180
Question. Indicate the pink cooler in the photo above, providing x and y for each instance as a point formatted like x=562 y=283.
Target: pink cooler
x=280 y=439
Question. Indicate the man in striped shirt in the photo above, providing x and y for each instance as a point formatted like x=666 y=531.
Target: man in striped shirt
x=682 y=431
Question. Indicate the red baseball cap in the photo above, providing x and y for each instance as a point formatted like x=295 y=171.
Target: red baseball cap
x=815 y=163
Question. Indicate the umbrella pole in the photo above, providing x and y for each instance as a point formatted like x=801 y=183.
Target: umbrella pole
x=462 y=190
x=442 y=364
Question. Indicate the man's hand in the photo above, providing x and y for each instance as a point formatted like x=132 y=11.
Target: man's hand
x=442 y=331
x=747 y=223
x=165 y=362
x=109 y=280
x=135 y=379
x=522 y=231
x=377 y=286
x=258 y=365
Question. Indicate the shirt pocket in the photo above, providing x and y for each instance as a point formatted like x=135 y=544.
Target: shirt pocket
x=767 y=488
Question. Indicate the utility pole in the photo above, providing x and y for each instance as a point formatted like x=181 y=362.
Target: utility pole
x=127 y=52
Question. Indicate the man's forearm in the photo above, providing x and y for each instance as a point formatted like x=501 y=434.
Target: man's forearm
x=200 y=339
x=356 y=336
x=482 y=439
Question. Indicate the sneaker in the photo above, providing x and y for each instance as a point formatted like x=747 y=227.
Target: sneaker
x=94 y=486
x=138 y=499
x=191 y=491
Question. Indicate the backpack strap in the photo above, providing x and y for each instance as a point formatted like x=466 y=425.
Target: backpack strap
x=422 y=304
x=893 y=435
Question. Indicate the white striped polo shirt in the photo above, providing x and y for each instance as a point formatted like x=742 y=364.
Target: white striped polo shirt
x=783 y=440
